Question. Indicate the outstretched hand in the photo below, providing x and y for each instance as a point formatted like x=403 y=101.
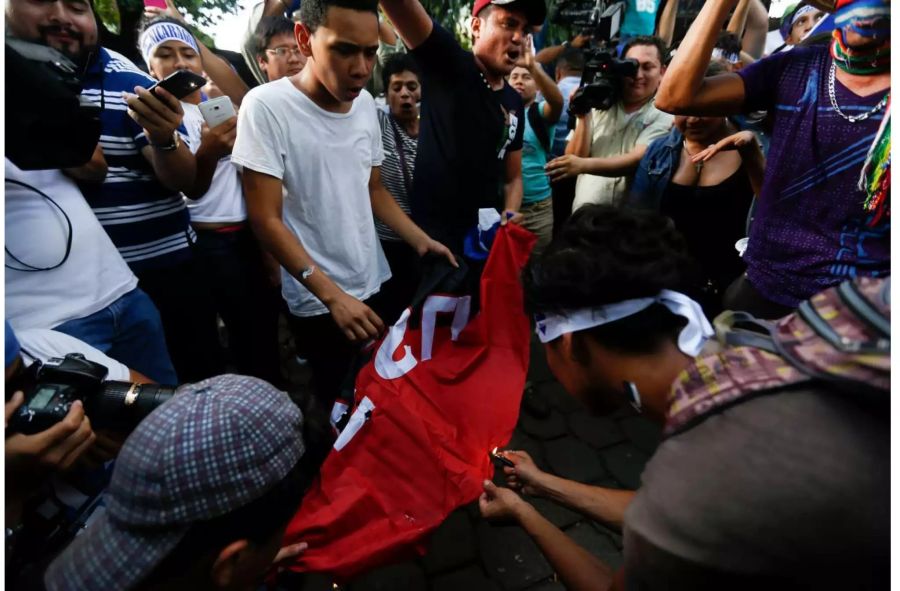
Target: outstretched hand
x=736 y=141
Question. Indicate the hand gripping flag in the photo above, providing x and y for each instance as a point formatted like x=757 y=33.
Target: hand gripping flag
x=429 y=407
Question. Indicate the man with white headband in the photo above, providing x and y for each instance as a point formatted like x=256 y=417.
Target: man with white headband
x=797 y=21
x=756 y=454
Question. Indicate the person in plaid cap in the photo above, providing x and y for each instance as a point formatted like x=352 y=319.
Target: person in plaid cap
x=200 y=496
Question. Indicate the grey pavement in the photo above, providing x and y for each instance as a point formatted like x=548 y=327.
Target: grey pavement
x=467 y=553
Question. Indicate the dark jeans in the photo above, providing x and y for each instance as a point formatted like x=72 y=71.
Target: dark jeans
x=188 y=315
x=563 y=197
x=741 y=295
x=130 y=331
x=248 y=305
x=331 y=357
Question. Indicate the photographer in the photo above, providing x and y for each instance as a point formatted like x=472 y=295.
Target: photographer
x=201 y=493
x=138 y=203
x=608 y=144
x=54 y=477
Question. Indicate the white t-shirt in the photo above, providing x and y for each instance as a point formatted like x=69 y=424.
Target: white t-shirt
x=44 y=344
x=92 y=278
x=224 y=201
x=324 y=161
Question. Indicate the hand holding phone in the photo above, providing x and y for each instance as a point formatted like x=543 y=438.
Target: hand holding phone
x=216 y=111
x=180 y=83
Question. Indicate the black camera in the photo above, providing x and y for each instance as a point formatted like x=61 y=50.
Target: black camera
x=48 y=123
x=51 y=388
x=601 y=80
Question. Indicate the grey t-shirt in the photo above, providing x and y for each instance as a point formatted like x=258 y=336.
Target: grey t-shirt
x=787 y=486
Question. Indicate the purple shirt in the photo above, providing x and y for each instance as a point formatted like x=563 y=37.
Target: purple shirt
x=810 y=229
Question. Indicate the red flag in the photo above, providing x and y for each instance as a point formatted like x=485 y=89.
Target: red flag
x=430 y=406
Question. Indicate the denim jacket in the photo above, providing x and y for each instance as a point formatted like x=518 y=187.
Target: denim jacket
x=655 y=171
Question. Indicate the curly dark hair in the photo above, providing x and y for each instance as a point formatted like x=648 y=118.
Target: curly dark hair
x=398 y=63
x=606 y=254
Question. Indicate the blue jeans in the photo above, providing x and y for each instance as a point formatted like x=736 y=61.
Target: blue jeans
x=130 y=331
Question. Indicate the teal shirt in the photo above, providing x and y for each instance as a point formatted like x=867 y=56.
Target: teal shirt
x=535 y=183
x=640 y=18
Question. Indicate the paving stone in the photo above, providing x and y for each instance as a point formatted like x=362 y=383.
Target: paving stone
x=406 y=575
x=471 y=578
x=556 y=395
x=596 y=431
x=573 y=459
x=510 y=557
x=291 y=581
x=642 y=432
x=549 y=428
x=550 y=585
x=555 y=513
x=534 y=404
x=451 y=545
x=626 y=463
x=612 y=534
x=597 y=543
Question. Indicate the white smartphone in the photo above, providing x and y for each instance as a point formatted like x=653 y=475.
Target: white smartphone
x=216 y=111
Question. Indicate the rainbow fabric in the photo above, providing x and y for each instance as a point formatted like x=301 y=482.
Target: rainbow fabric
x=875 y=178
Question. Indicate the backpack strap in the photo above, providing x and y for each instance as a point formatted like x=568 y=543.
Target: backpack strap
x=539 y=126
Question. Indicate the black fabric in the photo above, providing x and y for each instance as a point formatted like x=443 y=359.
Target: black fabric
x=465 y=132
x=692 y=209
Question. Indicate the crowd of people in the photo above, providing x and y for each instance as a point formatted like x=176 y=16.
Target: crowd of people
x=715 y=182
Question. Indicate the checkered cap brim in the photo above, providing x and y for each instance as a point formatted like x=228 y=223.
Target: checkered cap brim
x=214 y=447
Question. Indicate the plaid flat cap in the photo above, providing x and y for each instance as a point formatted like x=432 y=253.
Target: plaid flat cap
x=214 y=447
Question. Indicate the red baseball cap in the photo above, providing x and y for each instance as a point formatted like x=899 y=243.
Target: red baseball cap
x=535 y=10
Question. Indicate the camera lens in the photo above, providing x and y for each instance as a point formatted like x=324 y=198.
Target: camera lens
x=122 y=405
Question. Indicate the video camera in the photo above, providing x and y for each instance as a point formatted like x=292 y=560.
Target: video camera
x=601 y=79
x=48 y=123
x=51 y=388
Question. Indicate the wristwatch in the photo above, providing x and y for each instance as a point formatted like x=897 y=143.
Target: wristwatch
x=171 y=146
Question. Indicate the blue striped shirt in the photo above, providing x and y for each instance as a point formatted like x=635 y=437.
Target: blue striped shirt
x=147 y=222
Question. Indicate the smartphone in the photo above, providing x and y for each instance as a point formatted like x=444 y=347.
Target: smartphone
x=216 y=111
x=180 y=83
x=155 y=3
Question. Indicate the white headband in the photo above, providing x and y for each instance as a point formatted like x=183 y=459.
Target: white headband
x=157 y=34
x=719 y=53
x=690 y=340
x=800 y=12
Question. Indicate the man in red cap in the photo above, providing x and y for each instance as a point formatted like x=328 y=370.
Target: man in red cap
x=470 y=137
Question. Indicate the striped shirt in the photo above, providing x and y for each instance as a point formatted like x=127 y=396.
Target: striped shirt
x=147 y=222
x=391 y=170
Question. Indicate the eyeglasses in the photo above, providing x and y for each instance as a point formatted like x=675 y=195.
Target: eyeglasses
x=283 y=52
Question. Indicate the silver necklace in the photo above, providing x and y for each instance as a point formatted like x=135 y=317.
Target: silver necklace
x=837 y=109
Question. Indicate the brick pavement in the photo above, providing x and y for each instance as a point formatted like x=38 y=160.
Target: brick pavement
x=469 y=554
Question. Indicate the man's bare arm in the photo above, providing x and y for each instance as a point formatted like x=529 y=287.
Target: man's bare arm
x=580 y=144
x=684 y=89
x=513 y=189
x=409 y=19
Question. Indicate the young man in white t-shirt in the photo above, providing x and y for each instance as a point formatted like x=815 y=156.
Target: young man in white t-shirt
x=311 y=153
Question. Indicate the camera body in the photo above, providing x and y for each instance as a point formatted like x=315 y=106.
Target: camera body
x=51 y=388
x=601 y=80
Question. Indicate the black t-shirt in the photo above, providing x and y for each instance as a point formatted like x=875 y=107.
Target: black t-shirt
x=465 y=132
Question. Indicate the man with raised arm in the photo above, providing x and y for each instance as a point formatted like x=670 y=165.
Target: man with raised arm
x=470 y=139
